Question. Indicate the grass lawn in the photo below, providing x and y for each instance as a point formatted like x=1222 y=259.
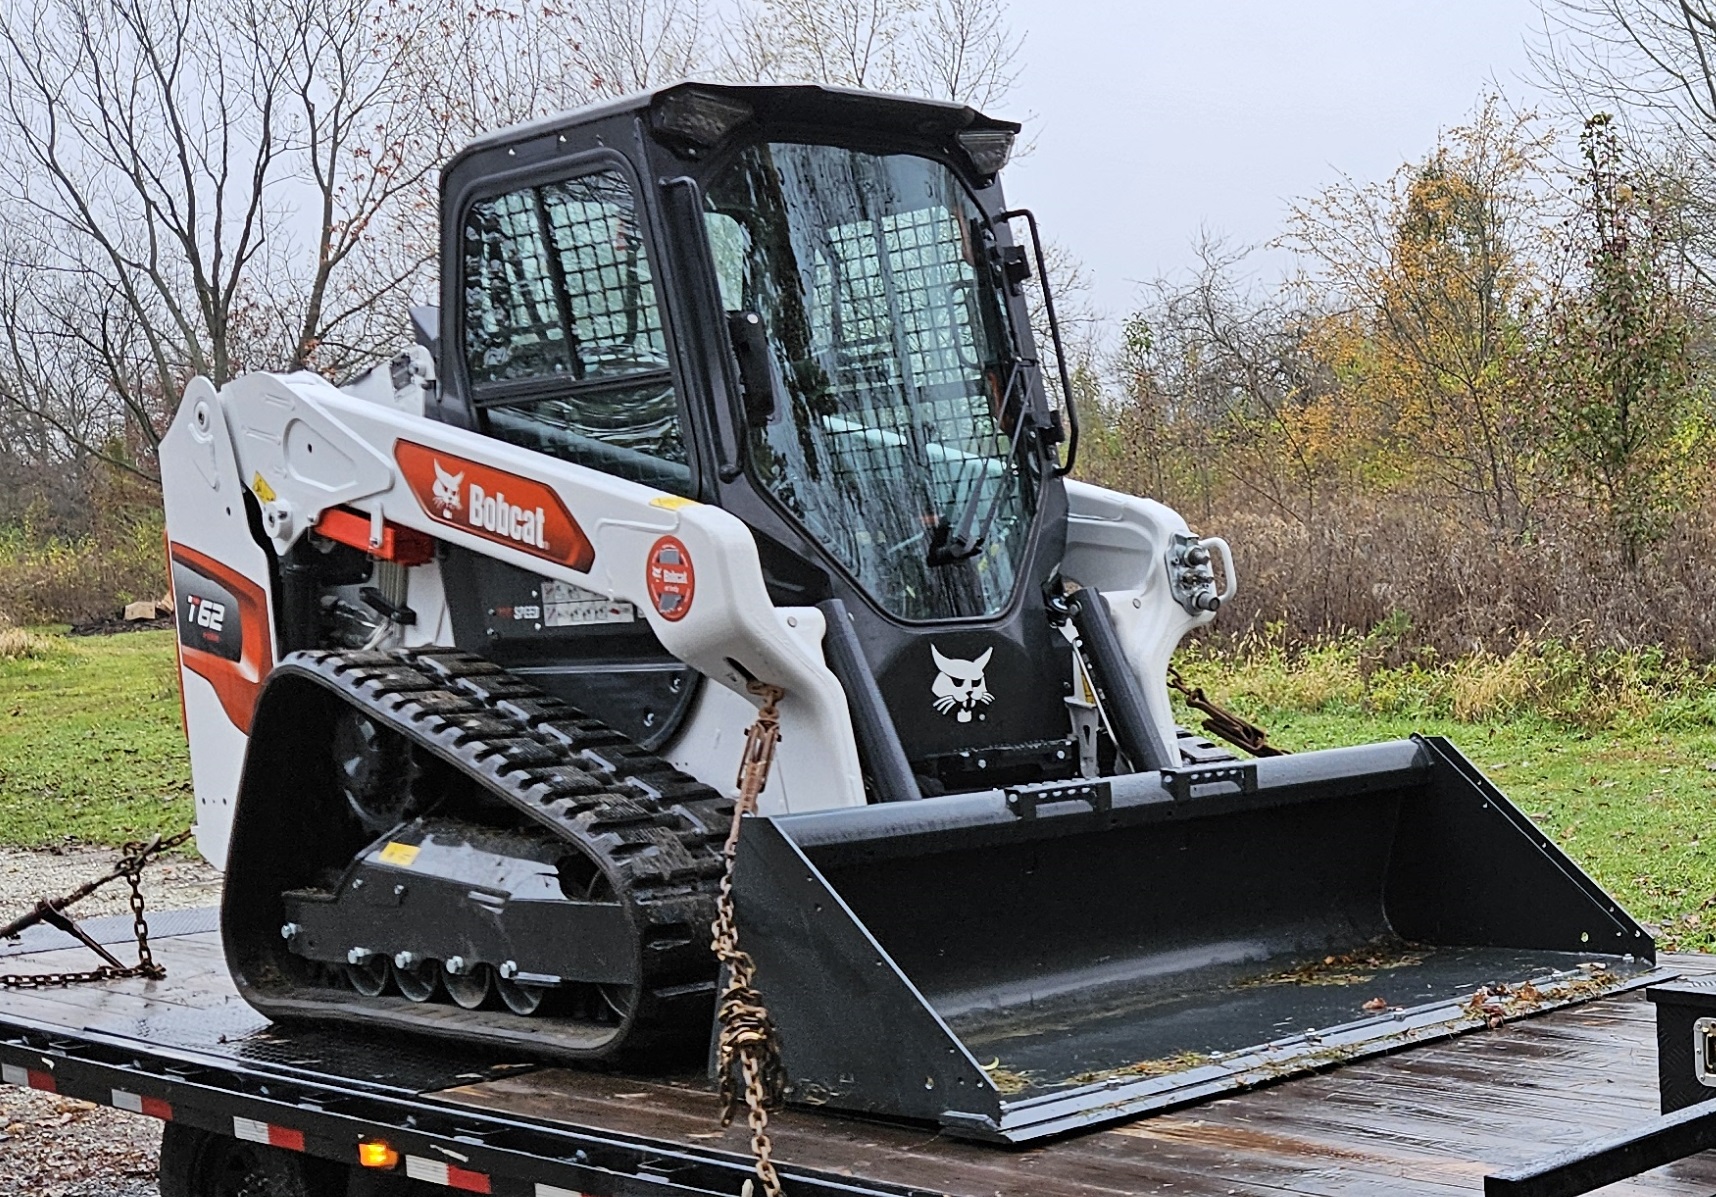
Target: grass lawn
x=91 y=750
x=1613 y=755
x=1630 y=805
x=91 y=745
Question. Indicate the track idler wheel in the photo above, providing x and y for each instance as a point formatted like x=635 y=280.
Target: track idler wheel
x=374 y=770
x=581 y=879
x=521 y=999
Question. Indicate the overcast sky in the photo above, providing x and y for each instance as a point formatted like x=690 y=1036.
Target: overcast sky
x=1153 y=118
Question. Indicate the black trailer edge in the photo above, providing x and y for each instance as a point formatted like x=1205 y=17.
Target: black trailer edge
x=415 y=1144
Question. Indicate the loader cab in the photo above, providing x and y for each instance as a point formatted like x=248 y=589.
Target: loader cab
x=804 y=305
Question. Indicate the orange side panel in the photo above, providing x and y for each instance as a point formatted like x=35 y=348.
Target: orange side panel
x=506 y=508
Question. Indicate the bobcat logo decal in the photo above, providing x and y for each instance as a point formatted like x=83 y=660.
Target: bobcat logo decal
x=959 y=687
x=446 y=490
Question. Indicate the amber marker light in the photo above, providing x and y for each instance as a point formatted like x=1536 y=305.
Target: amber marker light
x=376 y=1154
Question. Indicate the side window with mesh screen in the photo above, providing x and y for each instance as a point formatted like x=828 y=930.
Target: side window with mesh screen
x=563 y=331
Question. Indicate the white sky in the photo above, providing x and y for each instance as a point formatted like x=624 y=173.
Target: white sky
x=1155 y=118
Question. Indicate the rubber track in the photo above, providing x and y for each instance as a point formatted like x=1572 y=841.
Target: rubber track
x=654 y=831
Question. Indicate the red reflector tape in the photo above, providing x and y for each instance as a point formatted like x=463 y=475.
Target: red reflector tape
x=451 y=1176
x=153 y=1107
x=27 y=1078
x=252 y=1131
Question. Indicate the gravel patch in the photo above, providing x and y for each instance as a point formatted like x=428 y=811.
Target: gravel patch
x=58 y=1147
x=171 y=883
x=53 y=1146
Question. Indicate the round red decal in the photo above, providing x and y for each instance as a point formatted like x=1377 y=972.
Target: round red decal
x=672 y=581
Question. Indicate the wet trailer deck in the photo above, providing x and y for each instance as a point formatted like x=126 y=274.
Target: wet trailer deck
x=1432 y=1120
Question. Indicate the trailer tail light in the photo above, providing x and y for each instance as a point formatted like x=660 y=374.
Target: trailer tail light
x=376 y=1154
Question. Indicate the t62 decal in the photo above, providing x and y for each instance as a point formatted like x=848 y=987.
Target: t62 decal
x=222 y=619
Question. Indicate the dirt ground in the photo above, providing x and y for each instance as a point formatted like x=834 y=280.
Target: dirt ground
x=53 y=1146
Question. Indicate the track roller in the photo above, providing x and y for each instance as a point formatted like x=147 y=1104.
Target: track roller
x=469 y=985
x=418 y=979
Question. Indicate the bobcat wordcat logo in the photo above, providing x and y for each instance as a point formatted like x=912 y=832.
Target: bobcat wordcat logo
x=959 y=685
x=506 y=508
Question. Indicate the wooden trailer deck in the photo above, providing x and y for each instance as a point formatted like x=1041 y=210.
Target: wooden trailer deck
x=1432 y=1120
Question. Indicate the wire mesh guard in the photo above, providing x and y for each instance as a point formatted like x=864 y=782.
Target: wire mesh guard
x=559 y=296
x=892 y=351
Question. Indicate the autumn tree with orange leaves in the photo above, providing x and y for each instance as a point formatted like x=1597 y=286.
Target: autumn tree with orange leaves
x=1428 y=284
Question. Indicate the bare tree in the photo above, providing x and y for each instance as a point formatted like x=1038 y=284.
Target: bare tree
x=222 y=185
x=209 y=172
x=1215 y=379
x=967 y=51
x=633 y=45
x=1651 y=65
x=963 y=50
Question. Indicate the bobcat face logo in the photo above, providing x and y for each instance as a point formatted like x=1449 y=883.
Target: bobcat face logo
x=446 y=490
x=959 y=688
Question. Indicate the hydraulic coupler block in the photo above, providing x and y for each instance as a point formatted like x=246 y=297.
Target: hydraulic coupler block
x=1191 y=573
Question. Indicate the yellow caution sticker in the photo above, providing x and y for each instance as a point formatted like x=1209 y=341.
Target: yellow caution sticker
x=260 y=488
x=672 y=502
x=399 y=854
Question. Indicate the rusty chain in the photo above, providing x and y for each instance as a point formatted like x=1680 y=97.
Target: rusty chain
x=747 y=1037
x=138 y=854
x=1223 y=723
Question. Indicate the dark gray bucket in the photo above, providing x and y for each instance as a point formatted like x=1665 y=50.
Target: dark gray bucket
x=1022 y=963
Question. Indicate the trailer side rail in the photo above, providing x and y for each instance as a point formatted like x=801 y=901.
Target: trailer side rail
x=454 y=1147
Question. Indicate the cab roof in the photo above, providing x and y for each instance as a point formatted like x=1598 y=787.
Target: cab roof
x=796 y=104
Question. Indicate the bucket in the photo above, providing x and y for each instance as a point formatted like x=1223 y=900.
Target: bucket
x=1026 y=962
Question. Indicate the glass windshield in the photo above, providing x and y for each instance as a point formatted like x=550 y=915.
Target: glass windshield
x=896 y=400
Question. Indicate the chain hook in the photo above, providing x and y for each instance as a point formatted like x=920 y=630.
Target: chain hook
x=136 y=856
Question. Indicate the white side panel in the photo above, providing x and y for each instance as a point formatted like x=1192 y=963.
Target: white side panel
x=428 y=598
x=204 y=497
x=1118 y=544
x=217 y=760
x=712 y=740
x=726 y=628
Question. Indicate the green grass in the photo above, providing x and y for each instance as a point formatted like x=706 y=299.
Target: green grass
x=1615 y=759
x=91 y=746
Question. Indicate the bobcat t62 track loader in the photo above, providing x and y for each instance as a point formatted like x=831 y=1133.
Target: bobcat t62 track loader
x=735 y=384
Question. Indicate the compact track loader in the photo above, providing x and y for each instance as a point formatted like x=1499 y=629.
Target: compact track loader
x=734 y=387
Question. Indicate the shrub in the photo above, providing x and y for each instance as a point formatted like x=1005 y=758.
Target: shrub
x=53 y=579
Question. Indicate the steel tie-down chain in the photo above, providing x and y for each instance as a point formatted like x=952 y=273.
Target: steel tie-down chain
x=130 y=867
x=1223 y=723
x=747 y=1037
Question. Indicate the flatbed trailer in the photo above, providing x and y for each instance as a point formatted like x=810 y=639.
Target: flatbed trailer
x=1435 y=1120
